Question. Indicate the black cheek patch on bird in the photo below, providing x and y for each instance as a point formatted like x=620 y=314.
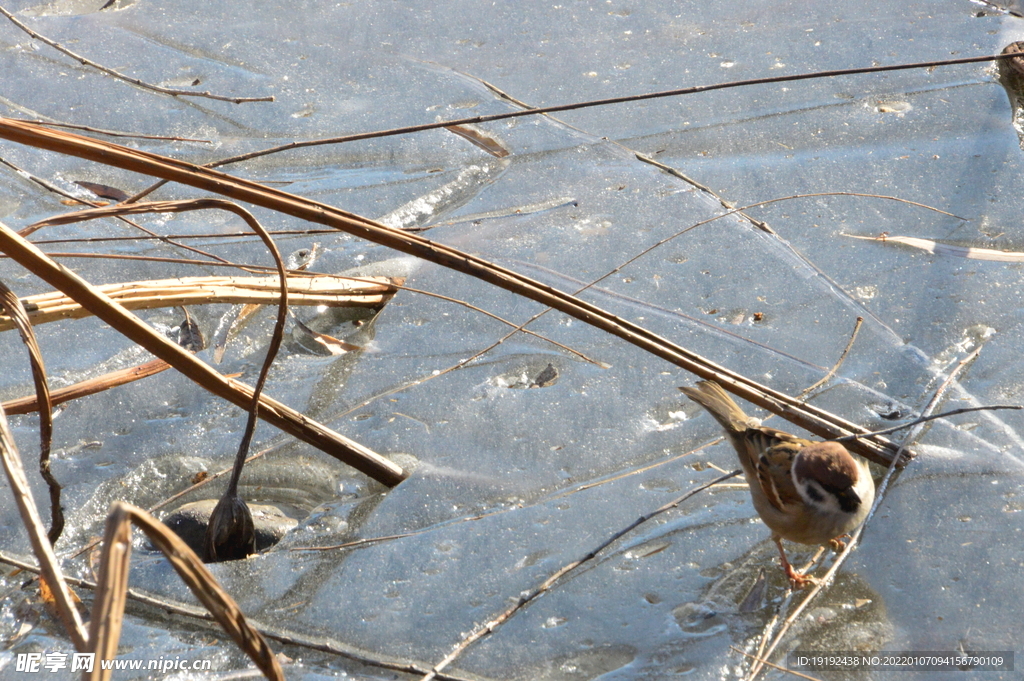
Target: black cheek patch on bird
x=847 y=498
x=814 y=494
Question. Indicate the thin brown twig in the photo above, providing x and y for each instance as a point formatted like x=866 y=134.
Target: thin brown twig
x=835 y=367
x=204 y=236
x=50 y=187
x=114 y=133
x=925 y=419
x=474 y=120
x=30 y=403
x=879 y=497
x=487 y=628
x=534 y=111
x=128 y=79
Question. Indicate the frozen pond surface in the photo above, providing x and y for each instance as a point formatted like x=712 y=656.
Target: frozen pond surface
x=509 y=483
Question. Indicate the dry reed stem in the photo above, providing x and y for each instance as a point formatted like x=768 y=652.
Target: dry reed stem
x=272 y=411
x=113 y=586
x=19 y=317
x=29 y=404
x=372 y=292
x=49 y=567
x=811 y=418
x=111 y=595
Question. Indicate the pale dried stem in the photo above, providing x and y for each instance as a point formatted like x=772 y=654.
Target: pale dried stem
x=108 y=608
x=29 y=404
x=41 y=546
x=371 y=293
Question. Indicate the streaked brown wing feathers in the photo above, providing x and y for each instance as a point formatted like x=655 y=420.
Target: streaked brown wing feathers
x=771 y=453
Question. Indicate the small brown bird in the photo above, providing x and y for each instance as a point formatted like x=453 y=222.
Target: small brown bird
x=807 y=492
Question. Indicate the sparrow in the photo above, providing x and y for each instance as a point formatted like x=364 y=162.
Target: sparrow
x=805 y=491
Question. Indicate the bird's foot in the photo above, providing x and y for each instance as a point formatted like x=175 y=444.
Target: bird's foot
x=798 y=580
x=837 y=544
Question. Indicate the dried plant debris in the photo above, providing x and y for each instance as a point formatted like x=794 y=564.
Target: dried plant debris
x=331 y=345
x=492 y=145
x=330 y=291
x=936 y=248
x=190 y=336
x=104 y=191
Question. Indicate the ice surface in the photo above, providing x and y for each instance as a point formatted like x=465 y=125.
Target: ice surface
x=510 y=483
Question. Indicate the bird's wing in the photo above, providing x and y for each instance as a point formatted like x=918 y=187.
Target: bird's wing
x=771 y=453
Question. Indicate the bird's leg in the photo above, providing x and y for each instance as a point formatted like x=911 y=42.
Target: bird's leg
x=796 y=579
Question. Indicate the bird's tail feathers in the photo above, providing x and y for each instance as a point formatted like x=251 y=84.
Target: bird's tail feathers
x=720 y=405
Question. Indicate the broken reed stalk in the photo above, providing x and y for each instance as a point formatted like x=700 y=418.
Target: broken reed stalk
x=113 y=586
x=372 y=292
x=810 y=418
x=27 y=405
x=41 y=546
x=292 y=422
x=19 y=317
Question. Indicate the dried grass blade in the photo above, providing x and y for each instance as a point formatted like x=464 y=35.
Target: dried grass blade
x=49 y=567
x=936 y=248
x=203 y=584
x=10 y=303
x=492 y=145
x=333 y=345
x=111 y=591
